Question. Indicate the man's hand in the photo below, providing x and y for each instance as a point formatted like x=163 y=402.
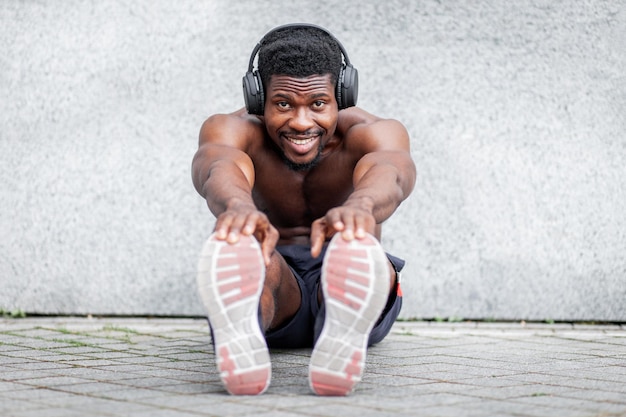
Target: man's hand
x=351 y=222
x=247 y=220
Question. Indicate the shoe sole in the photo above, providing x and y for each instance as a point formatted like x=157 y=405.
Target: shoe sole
x=355 y=283
x=230 y=280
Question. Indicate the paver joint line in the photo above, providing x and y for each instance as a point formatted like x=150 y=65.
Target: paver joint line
x=95 y=367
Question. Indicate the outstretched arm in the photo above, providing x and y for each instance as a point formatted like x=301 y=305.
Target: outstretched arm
x=223 y=174
x=383 y=177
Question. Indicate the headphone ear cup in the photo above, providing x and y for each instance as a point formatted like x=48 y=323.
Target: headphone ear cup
x=347 y=87
x=253 y=93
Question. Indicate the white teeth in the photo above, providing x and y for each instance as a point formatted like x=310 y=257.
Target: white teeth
x=300 y=141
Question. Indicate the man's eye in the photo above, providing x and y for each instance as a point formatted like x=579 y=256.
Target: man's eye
x=318 y=104
x=283 y=104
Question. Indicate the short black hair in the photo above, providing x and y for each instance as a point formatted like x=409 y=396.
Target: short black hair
x=299 y=51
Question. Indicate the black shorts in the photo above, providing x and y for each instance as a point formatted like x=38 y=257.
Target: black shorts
x=300 y=331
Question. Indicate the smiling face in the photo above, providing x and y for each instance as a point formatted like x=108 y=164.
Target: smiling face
x=301 y=117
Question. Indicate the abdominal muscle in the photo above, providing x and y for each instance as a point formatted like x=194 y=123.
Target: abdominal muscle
x=301 y=235
x=294 y=236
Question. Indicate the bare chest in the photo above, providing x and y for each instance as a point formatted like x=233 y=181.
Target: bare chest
x=294 y=199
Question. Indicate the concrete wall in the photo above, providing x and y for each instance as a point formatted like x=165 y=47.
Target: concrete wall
x=517 y=113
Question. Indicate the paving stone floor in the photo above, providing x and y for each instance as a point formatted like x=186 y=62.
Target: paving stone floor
x=165 y=367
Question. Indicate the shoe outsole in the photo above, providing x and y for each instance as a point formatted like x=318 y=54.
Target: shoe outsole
x=230 y=280
x=355 y=284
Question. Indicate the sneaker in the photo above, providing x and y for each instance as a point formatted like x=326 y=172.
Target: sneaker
x=355 y=283
x=230 y=281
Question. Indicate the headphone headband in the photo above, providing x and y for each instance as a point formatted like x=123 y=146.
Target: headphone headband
x=296 y=25
x=347 y=82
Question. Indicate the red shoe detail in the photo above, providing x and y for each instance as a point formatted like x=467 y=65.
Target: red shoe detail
x=331 y=385
x=355 y=278
x=325 y=383
x=252 y=382
x=354 y=367
x=230 y=281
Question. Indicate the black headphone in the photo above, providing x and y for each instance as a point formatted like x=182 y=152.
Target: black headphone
x=346 y=91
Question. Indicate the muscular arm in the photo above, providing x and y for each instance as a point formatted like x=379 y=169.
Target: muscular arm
x=383 y=177
x=223 y=173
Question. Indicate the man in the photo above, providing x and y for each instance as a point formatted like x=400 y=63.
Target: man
x=300 y=182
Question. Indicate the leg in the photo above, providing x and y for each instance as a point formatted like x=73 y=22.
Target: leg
x=281 y=298
x=392 y=308
x=355 y=282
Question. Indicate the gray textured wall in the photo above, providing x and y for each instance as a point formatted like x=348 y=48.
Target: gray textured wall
x=517 y=113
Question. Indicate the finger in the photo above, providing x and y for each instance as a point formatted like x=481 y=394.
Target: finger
x=267 y=247
x=317 y=242
x=267 y=235
x=319 y=231
x=233 y=225
x=252 y=223
x=235 y=229
x=348 y=230
x=360 y=227
x=333 y=217
x=222 y=226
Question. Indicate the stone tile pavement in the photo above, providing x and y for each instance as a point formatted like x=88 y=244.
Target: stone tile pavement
x=165 y=367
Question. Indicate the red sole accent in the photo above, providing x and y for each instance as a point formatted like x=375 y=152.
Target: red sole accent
x=237 y=273
x=251 y=382
x=332 y=385
x=230 y=279
x=355 y=293
x=324 y=383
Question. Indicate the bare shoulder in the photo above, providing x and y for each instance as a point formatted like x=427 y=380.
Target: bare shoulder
x=370 y=132
x=226 y=139
x=238 y=129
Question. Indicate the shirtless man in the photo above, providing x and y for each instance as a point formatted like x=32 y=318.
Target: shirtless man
x=300 y=182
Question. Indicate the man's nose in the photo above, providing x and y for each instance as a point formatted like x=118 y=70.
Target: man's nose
x=301 y=120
